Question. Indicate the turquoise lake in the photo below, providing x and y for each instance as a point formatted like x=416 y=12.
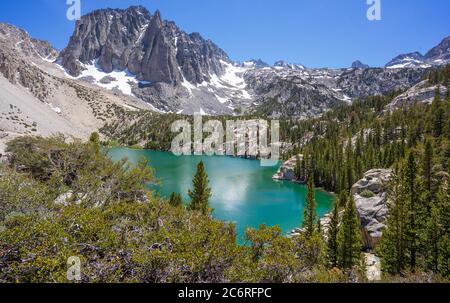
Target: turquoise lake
x=243 y=192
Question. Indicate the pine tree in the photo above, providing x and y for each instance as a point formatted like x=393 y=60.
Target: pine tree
x=303 y=171
x=393 y=242
x=349 y=237
x=94 y=139
x=332 y=248
x=428 y=165
x=176 y=200
x=349 y=166
x=402 y=240
x=201 y=193
x=413 y=211
x=438 y=234
x=427 y=173
x=319 y=227
x=310 y=215
x=438 y=114
x=342 y=200
x=433 y=236
x=298 y=168
x=446 y=107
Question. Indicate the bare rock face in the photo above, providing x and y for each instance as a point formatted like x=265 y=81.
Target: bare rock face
x=421 y=92
x=440 y=54
x=287 y=170
x=303 y=93
x=437 y=56
x=186 y=73
x=370 y=198
x=154 y=50
x=18 y=54
x=359 y=64
x=21 y=41
x=373 y=267
x=410 y=60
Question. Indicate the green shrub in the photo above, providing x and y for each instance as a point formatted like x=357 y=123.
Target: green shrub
x=367 y=194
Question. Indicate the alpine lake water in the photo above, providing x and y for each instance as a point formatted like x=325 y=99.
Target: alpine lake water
x=243 y=191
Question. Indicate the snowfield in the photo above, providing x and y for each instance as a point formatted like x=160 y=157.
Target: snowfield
x=121 y=80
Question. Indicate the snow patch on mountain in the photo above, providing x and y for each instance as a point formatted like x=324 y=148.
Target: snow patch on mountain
x=409 y=62
x=234 y=75
x=224 y=88
x=120 y=80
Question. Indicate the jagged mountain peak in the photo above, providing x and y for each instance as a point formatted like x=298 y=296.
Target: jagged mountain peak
x=437 y=56
x=409 y=60
x=441 y=52
x=149 y=59
x=21 y=41
x=256 y=63
x=157 y=15
x=174 y=71
x=152 y=49
x=134 y=9
x=359 y=64
x=288 y=65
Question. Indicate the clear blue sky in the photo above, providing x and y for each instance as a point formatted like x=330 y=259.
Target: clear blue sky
x=316 y=33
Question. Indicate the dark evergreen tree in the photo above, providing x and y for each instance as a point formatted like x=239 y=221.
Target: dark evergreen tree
x=444 y=223
x=176 y=200
x=298 y=168
x=94 y=139
x=201 y=192
x=447 y=114
x=332 y=248
x=349 y=237
x=342 y=199
x=427 y=173
x=309 y=214
x=414 y=209
x=349 y=165
x=437 y=253
x=433 y=235
x=438 y=114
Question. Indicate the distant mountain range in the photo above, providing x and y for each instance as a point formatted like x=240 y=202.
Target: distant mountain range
x=438 y=55
x=152 y=63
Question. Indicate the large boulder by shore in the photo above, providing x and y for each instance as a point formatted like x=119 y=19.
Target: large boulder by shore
x=287 y=170
x=373 y=267
x=370 y=195
x=371 y=202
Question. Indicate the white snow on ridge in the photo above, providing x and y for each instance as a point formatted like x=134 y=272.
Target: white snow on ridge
x=222 y=100
x=121 y=80
x=54 y=108
x=408 y=65
x=409 y=62
x=143 y=30
x=234 y=75
x=249 y=64
x=203 y=113
x=346 y=99
x=129 y=107
x=223 y=88
x=188 y=85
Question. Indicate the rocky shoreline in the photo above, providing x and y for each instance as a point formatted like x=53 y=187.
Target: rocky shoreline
x=286 y=172
x=370 y=194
